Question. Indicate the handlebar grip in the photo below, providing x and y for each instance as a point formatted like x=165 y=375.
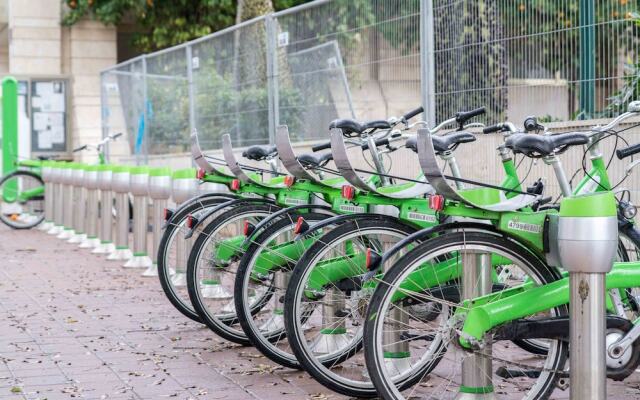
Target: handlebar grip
x=117 y=135
x=493 y=128
x=379 y=142
x=531 y=124
x=463 y=116
x=321 y=146
x=413 y=113
x=629 y=151
x=77 y=149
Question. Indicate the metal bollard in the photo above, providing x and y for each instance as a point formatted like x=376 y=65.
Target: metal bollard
x=184 y=186
x=67 y=199
x=106 y=209
x=79 y=201
x=90 y=183
x=476 y=369
x=159 y=190
x=587 y=242
x=120 y=186
x=47 y=170
x=57 y=202
x=138 y=184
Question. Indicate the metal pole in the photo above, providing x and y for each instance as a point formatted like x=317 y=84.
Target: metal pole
x=106 y=207
x=145 y=95
x=139 y=183
x=67 y=198
x=121 y=186
x=272 y=77
x=192 y=110
x=159 y=190
x=427 y=62
x=587 y=334
x=104 y=107
x=587 y=58
x=476 y=368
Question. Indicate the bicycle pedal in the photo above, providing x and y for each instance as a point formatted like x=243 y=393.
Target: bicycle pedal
x=343 y=313
x=507 y=373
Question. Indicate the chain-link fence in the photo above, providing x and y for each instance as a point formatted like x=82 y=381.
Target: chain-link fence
x=369 y=59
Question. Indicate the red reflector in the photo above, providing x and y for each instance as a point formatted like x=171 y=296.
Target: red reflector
x=348 y=192
x=372 y=259
x=201 y=173
x=436 y=202
x=299 y=224
x=245 y=229
x=167 y=214
x=289 y=180
x=235 y=184
x=190 y=222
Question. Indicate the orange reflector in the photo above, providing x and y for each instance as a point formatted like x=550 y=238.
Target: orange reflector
x=289 y=180
x=235 y=184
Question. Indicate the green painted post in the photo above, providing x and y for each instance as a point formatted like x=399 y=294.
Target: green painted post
x=587 y=58
x=9 y=129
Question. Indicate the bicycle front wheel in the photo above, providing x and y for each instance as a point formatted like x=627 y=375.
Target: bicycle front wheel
x=408 y=356
x=22 y=200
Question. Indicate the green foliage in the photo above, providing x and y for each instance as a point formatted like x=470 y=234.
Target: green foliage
x=630 y=89
x=163 y=23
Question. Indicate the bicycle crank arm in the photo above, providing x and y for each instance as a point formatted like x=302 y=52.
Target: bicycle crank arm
x=618 y=349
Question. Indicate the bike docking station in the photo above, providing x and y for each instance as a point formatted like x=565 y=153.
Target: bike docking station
x=47 y=170
x=159 y=191
x=184 y=185
x=57 y=203
x=106 y=200
x=120 y=186
x=90 y=183
x=67 y=202
x=587 y=245
x=77 y=186
x=138 y=185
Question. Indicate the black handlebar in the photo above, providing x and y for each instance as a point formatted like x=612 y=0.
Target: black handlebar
x=412 y=113
x=379 y=142
x=79 y=148
x=493 y=128
x=629 y=151
x=117 y=135
x=464 y=116
x=321 y=146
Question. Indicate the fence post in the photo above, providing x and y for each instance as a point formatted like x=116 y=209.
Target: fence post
x=427 y=62
x=272 y=76
x=192 y=110
x=104 y=111
x=145 y=129
x=587 y=58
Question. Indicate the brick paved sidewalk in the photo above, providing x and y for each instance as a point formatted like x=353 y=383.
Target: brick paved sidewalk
x=73 y=325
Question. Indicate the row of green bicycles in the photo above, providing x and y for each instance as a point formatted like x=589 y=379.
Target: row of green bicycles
x=427 y=286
